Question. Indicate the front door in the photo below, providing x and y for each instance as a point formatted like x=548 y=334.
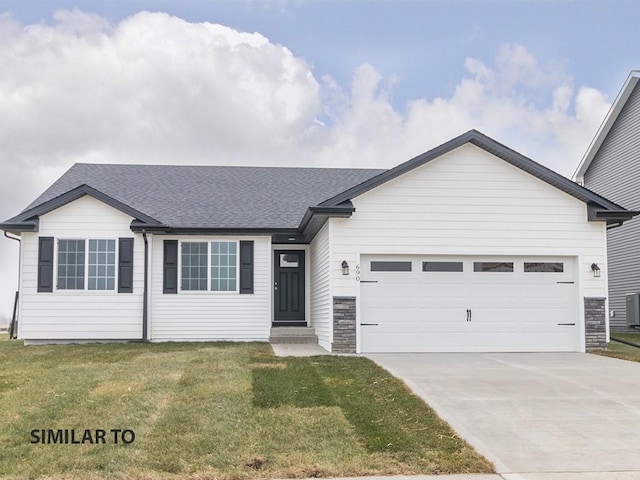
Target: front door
x=288 y=287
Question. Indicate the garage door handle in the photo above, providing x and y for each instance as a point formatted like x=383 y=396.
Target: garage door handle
x=368 y=281
x=468 y=314
x=567 y=282
x=369 y=324
x=569 y=324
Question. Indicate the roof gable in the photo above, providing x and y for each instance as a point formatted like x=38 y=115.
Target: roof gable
x=29 y=215
x=497 y=149
x=613 y=114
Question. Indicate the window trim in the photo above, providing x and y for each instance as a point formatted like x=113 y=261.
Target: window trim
x=208 y=241
x=68 y=291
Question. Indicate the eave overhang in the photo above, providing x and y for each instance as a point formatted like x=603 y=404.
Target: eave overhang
x=596 y=214
x=316 y=216
x=30 y=225
x=138 y=227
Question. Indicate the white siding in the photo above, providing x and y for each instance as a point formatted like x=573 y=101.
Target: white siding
x=468 y=202
x=211 y=315
x=80 y=315
x=321 y=304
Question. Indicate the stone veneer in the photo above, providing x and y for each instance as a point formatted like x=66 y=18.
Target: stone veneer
x=595 y=323
x=344 y=325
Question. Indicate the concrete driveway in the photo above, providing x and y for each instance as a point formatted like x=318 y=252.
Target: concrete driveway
x=533 y=414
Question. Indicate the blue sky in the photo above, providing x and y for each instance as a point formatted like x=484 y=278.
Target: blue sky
x=306 y=83
x=421 y=43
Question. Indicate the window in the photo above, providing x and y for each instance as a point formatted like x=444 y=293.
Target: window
x=441 y=266
x=289 y=260
x=217 y=261
x=493 y=266
x=390 y=266
x=71 y=264
x=194 y=266
x=544 y=267
x=93 y=260
x=223 y=266
x=102 y=265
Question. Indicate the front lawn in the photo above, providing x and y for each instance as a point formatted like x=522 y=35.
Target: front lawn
x=212 y=410
x=620 y=350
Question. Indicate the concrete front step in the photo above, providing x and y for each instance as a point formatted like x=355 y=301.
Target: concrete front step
x=293 y=335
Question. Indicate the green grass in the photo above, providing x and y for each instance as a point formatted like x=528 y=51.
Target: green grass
x=620 y=350
x=216 y=411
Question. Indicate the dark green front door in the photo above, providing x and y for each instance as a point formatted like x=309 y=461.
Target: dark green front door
x=288 y=287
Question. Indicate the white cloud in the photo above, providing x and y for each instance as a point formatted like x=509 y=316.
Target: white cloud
x=157 y=89
x=149 y=88
x=533 y=109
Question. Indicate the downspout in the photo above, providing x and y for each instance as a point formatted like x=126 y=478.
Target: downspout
x=12 y=327
x=146 y=281
x=614 y=225
x=20 y=242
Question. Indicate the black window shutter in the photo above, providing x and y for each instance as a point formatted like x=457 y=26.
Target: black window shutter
x=45 y=264
x=170 y=269
x=246 y=266
x=125 y=265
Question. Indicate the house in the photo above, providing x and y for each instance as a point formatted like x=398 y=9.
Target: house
x=611 y=167
x=468 y=247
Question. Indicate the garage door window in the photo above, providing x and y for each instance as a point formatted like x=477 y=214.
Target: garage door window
x=544 y=267
x=390 y=266
x=493 y=266
x=441 y=266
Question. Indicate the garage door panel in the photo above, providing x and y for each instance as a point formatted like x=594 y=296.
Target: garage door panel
x=475 y=311
x=416 y=321
x=412 y=298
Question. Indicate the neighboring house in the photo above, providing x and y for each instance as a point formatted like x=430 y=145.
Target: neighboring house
x=468 y=247
x=611 y=167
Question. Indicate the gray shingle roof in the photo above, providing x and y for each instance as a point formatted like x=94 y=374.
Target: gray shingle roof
x=213 y=196
x=262 y=198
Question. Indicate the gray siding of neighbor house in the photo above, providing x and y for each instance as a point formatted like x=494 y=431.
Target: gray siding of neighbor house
x=615 y=174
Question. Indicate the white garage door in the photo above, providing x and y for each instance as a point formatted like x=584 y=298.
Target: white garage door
x=455 y=304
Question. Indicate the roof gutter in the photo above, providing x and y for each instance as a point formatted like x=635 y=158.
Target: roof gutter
x=344 y=210
x=315 y=217
x=610 y=216
x=138 y=227
x=16 y=227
